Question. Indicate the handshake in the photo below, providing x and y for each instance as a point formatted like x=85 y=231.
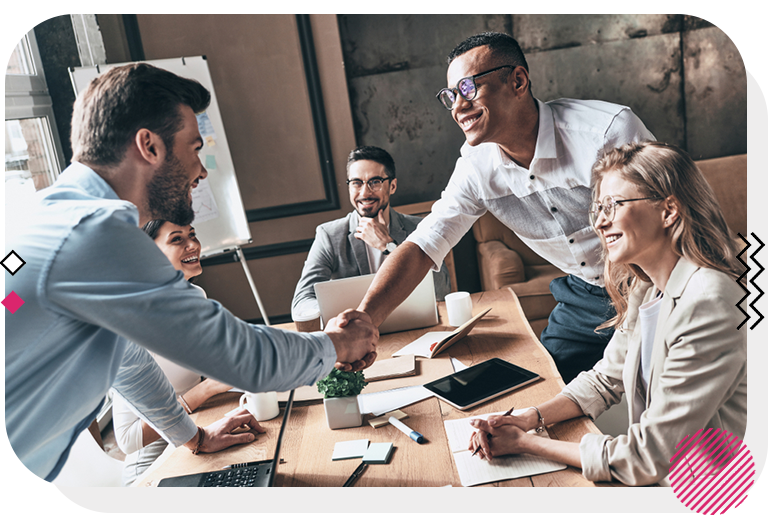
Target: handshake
x=355 y=338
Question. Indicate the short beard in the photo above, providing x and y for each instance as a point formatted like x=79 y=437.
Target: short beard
x=375 y=214
x=168 y=193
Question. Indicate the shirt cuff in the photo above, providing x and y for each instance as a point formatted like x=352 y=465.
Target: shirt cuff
x=594 y=457
x=328 y=355
x=180 y=433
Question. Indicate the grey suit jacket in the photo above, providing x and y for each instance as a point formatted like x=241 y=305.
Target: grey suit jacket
x=698 y=377
x=336 y=253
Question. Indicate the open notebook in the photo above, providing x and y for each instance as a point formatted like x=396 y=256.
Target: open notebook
x=475 y=471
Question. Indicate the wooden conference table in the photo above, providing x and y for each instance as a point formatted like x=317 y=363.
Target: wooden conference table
x=308 y=442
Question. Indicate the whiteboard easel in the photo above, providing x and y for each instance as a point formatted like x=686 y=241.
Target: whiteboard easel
x=220 y=220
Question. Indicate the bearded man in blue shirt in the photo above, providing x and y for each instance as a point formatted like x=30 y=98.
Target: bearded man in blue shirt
x=98 y=293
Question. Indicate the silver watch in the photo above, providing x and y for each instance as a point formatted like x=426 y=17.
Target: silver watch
x=391 y=246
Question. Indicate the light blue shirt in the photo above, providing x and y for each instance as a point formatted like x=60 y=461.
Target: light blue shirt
x=92 y=284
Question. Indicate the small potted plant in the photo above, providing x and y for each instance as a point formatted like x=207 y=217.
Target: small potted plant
x=340 y=391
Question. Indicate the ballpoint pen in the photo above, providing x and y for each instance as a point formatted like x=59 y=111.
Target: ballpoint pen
x=356 y=474
x=506 y=414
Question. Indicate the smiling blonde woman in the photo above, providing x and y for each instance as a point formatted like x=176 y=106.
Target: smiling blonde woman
x=671 y=271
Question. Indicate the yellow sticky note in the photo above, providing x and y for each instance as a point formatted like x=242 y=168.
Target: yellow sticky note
x=384 y=419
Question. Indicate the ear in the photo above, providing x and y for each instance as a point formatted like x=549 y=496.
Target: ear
x=671 y=212
x=150 y=146
x=520 y=80
x=392 y=186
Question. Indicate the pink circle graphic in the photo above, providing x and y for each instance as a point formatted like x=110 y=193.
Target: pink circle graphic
x=711 y=471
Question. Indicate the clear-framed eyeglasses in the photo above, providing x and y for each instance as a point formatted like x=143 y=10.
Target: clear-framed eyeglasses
x=466 y=87
x=607 y=206
x=374 y=183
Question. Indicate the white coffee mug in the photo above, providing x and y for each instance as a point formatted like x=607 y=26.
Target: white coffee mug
x=263 y=406
x=459 y=306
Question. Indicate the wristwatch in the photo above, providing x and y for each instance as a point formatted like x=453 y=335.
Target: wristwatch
x=391 y=246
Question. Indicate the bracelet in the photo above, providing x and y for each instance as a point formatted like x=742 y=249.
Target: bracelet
x=186 y=406
x=540 y=427
x=201 y=434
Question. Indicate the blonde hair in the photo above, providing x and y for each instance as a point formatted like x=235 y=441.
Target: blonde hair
x=699 y=233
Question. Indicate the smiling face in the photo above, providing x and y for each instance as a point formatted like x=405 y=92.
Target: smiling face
x=637 y=233
x=182 y=248
x=169 y=192
x=366 y=202
x=491 y=114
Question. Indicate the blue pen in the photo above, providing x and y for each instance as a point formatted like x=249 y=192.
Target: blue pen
x=415 y=436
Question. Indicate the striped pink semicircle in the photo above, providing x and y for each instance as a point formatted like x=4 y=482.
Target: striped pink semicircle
x=711 y=471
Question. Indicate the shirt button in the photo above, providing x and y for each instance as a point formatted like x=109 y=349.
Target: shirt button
x=583 y=263
x=570 y=241
x=553 y=209
x=531 y=177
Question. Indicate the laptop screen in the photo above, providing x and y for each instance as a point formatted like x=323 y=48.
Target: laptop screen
x=279 y=445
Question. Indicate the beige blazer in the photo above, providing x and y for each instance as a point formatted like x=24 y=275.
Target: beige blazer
x=698 y=377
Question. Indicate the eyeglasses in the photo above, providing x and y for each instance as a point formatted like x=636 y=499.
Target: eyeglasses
x=608 y=207
x=374 y=184
x=466 y=87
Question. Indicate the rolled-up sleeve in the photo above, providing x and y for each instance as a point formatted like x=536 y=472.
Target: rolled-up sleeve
x=705 y=364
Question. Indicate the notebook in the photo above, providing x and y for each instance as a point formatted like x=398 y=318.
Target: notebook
x=475 y=471
x=418 y=310
x=257 y=474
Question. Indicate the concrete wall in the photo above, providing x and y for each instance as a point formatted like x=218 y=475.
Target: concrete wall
x=681 y=75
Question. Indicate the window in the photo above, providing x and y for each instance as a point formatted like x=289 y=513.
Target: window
x=33 y=156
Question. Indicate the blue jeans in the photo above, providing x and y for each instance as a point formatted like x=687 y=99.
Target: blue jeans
x=570 y=336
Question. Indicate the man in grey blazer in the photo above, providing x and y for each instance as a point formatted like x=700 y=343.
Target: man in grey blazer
x=358 y=243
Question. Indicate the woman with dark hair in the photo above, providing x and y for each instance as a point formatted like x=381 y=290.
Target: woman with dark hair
x=671 y=271
x=137 y=439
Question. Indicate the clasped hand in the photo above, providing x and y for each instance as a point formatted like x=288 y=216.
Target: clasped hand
x=373 y=231
x=355 y=338
x=508 y=434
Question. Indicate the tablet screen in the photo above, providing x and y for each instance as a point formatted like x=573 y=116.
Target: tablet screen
x=480 y=383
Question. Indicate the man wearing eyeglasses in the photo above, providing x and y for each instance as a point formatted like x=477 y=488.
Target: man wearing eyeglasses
x=528 y=163
x=360 y=242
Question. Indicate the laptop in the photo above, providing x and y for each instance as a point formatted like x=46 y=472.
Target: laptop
x=256 y=474
x=418 y=310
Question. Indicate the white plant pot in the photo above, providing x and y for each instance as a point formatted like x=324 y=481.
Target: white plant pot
x=341 y=412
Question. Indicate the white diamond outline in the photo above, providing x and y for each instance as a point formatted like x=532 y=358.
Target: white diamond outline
x=19 y=267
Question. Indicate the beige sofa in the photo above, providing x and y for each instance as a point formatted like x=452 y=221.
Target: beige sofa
x=504 y=260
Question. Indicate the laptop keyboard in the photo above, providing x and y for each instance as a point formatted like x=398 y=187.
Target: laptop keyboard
x=240 y=477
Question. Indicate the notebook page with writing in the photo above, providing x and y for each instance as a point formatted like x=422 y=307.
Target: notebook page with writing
x=475 y=471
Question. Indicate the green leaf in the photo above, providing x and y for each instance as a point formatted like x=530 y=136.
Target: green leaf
x=341 y=384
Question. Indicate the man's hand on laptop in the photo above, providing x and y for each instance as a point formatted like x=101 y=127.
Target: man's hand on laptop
x=355 y=339
x=240 y=427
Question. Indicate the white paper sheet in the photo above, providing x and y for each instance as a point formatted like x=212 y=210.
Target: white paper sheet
x=420 y=346
x=379 y=403
x=475 y=471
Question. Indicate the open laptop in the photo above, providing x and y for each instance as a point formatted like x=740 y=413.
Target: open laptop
x=259 y=473
x=418 y=310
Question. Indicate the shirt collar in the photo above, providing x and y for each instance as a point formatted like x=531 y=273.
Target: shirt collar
x=83 y=177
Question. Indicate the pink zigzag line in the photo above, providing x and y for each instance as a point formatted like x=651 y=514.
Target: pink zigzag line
x=702 y=475
x=741 y=495
x=736 y=487
x=722 y=441
x=702 y=453
x=724 y=483
x=745 y=497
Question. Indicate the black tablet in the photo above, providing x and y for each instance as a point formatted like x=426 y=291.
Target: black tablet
x=481 y=382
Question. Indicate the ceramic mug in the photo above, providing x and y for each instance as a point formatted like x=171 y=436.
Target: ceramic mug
x=459 y=307
x=263 y=406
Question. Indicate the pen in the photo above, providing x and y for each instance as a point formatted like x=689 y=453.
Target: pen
x=506 y=414
x=415 y=436
x=356 y=474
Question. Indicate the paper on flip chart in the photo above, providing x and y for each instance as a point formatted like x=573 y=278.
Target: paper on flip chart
x=475 y=471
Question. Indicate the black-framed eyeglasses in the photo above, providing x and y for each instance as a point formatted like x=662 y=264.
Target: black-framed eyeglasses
x=374 y=183
x=466 y=87
x=608 y=207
